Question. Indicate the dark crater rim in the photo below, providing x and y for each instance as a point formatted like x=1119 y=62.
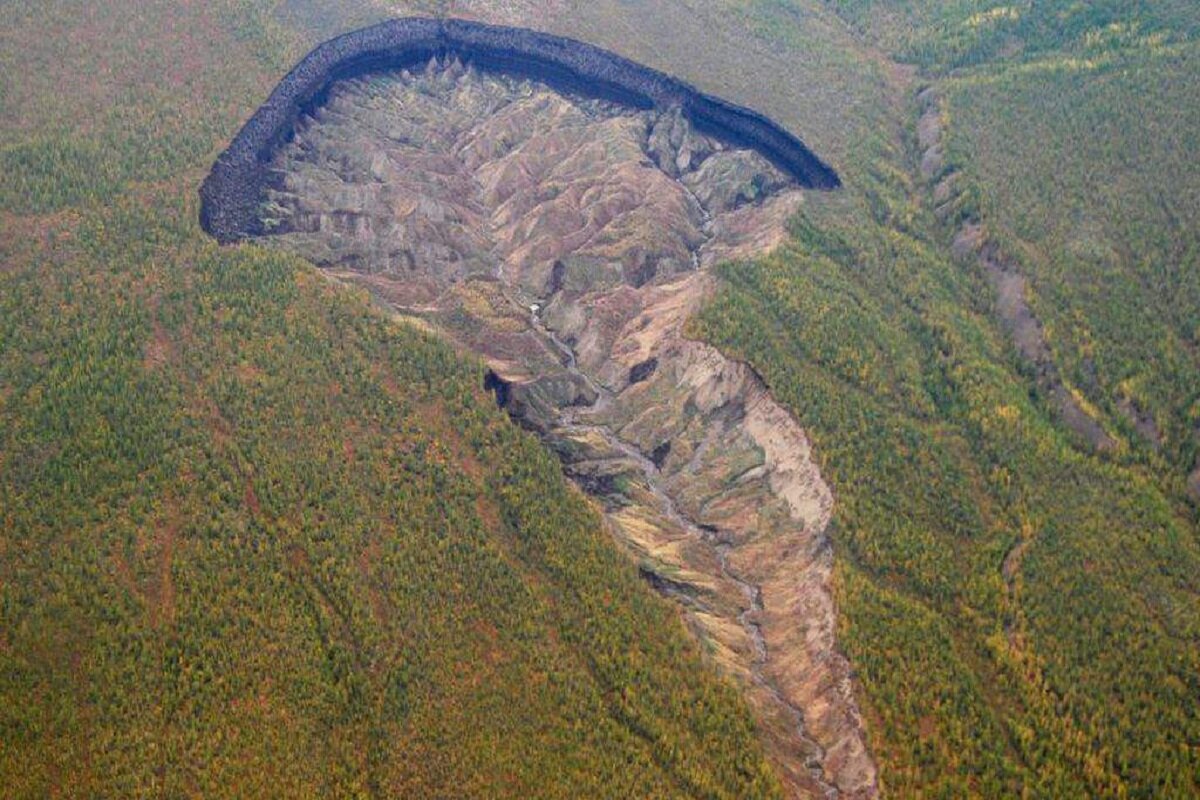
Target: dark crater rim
x=231 y=194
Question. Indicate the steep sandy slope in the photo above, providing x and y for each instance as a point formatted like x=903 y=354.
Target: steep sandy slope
x=565 y=242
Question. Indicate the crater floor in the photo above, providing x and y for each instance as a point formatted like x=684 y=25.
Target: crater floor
x=565 y=242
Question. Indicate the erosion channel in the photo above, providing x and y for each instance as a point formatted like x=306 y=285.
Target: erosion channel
x=566 y=241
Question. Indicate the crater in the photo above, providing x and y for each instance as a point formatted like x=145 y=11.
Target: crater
x=555 y=209
x=230 y=194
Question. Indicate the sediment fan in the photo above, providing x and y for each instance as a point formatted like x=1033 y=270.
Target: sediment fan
x=231 y=193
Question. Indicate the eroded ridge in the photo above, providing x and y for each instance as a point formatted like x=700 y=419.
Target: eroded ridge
x=565 y=241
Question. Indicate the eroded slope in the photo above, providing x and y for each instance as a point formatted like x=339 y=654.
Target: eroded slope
x=564 y=240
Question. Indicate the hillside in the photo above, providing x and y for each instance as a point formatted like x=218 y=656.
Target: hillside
x=260 y=536
x=995 y=358
x=1021 y=608
x=259 y=539
x=566 y=240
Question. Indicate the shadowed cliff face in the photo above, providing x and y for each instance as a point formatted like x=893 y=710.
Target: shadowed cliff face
x=565 y=241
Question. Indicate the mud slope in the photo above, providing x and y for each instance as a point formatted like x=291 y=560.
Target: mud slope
x=228 y=195
x=564 y=239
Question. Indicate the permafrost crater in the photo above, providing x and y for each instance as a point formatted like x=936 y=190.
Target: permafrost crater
x=560 y=223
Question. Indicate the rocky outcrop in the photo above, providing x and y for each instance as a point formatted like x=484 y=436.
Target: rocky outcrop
x=230 y=194
x=564 y=239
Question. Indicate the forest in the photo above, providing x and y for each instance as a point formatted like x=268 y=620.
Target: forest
x=260 y=539
x=254 y=532
x=1023 y=609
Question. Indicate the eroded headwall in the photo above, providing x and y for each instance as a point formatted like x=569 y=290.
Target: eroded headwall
x=232 y=191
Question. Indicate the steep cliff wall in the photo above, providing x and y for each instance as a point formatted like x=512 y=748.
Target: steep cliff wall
x=231 y=193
